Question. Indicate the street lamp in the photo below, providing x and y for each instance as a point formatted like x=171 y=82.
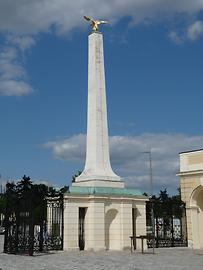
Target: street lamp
x=151 y=194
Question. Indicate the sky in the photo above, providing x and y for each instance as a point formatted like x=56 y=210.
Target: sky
x=154 y=78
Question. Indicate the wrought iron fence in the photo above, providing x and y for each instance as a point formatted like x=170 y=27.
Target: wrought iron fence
x=170 y=227
x=33 y=223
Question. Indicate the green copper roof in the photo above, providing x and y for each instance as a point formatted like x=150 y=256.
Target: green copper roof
x=105 y=190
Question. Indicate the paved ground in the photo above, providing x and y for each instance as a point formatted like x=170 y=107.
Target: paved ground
x=166 y=259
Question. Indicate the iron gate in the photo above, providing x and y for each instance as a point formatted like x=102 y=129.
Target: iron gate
x=33 y=222
x=54 y=227
x=19 y=224
x=24 y=235
x=170 y=227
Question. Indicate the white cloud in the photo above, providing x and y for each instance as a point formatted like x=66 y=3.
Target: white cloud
x=35 y=16
x=195 y=30
x=128 y=160
x=192 y=32
x=13 y=76
x=14 y=88
x=9 y=66
x=21 y=20
x=23 y=42
x=71 y=149
x=176 y=37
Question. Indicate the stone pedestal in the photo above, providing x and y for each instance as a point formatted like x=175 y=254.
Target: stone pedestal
x=108 y=220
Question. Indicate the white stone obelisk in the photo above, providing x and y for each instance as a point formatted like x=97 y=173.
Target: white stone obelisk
x=97 y=171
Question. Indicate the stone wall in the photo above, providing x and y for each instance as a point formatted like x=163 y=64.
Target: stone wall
x=108 y=221
x=191 y=180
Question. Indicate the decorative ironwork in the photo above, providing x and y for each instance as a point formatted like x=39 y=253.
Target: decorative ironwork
x=170 y=224
x=54 y=230
x=33 y=221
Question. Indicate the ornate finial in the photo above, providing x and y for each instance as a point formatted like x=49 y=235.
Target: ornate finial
x=94 y=23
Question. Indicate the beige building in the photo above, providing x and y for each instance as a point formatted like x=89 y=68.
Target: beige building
x=191 y=182
x=103 y=218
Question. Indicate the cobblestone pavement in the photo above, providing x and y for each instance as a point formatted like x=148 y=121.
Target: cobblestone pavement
x=166 y=259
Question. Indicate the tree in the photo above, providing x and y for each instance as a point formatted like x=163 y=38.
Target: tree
x=166 y=208
x=76 y=175
x=64 y=189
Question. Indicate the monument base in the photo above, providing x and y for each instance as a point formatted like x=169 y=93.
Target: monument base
x=101 y=218
x=99 y=183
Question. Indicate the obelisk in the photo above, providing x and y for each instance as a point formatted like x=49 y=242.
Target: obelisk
x=97 y=171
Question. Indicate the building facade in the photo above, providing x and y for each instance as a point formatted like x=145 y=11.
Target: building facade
x=103 y=218
x=191 y=182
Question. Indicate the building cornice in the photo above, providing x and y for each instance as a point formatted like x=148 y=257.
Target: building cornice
x=90 y=197
x=187 y=173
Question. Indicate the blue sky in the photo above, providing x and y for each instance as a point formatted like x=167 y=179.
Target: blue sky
x=153 y=61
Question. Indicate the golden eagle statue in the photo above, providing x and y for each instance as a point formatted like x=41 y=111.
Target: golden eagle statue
x=94 y=23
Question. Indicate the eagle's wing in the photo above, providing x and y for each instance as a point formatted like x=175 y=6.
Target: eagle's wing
x=103 y=22
x=88 y=18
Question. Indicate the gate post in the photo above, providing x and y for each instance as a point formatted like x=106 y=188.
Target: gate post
x=17 y=216
x=41 y=240
x=31 y=228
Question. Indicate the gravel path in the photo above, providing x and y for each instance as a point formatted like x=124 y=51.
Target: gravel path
x=166 y=259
